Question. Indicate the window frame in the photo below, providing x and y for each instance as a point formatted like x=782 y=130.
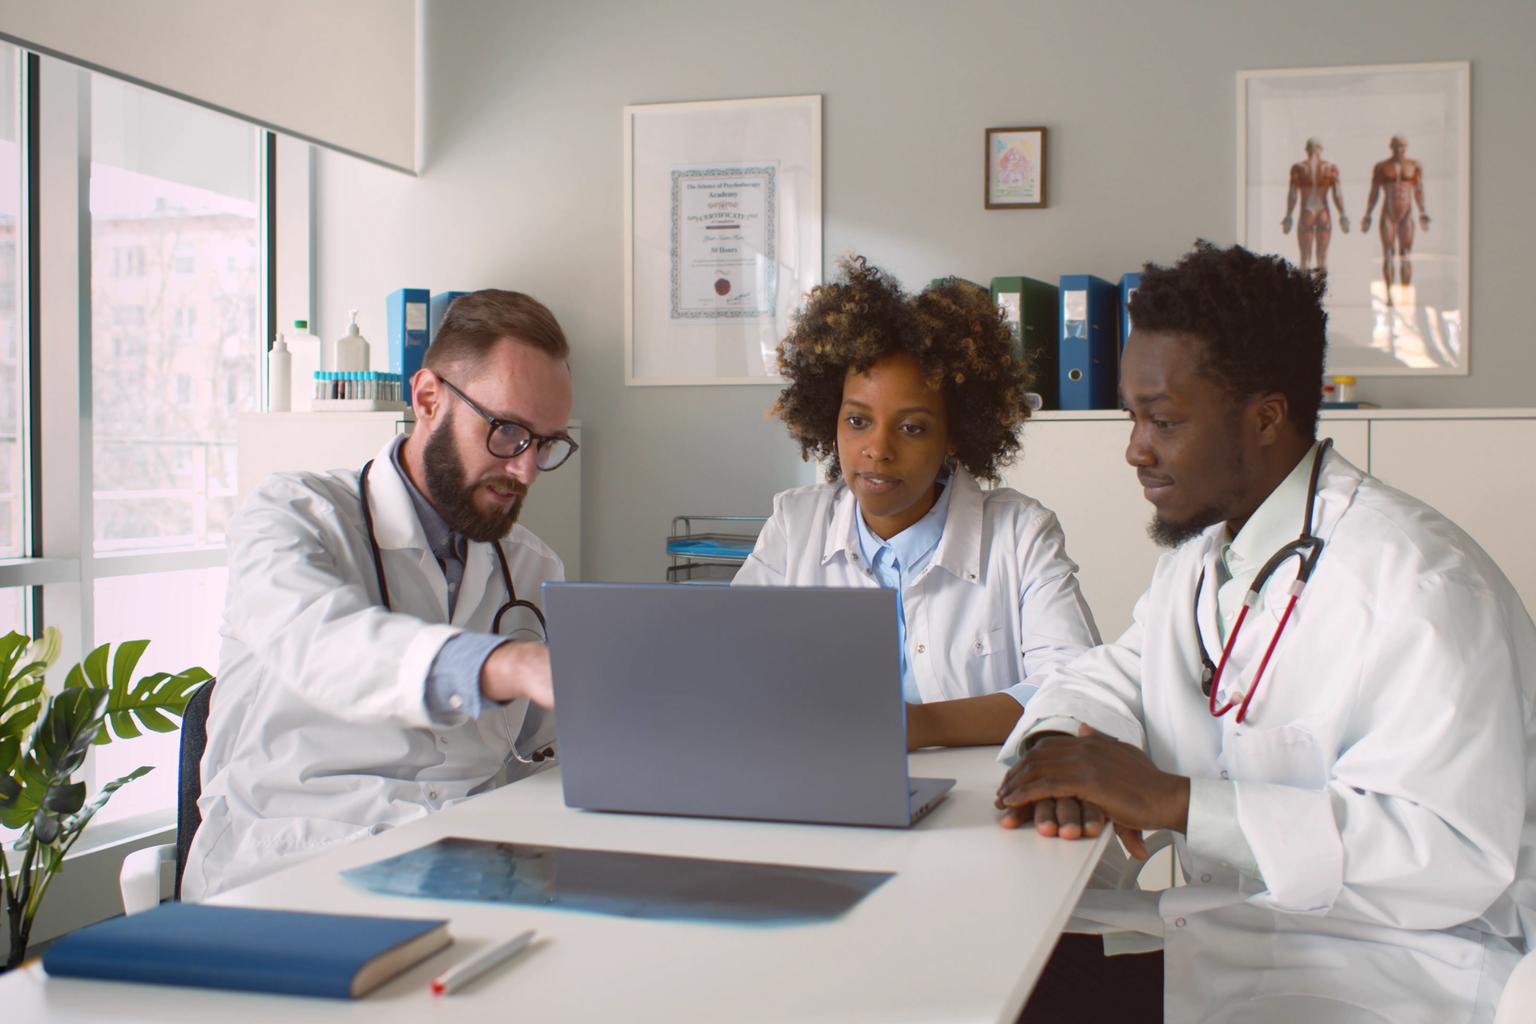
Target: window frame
x=61 y=565
x=59 y=568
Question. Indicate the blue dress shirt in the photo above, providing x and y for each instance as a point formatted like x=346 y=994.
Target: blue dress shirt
x=897 y=561
x=453 y=680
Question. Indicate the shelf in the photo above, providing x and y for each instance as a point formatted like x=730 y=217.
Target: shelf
x=712 y=554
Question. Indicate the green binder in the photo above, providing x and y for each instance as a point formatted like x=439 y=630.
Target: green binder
x=1031 y=309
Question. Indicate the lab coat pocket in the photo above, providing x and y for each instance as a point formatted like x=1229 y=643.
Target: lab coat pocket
x=987 y=641
x=986 y=669
x=1286 y=755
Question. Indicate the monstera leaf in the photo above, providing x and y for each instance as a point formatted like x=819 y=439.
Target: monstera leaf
x=149 y=702
x=21 y=690
x=39 y=796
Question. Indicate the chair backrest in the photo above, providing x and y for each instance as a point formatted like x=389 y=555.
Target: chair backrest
x=194 y=737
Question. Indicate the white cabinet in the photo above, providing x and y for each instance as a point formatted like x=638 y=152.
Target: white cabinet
x=1466 y=463
x=1475 y=470
x=1076 y=467
x=270 y=442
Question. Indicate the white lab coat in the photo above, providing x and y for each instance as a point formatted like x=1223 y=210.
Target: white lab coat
x=996 y=607
x=319 y=731
x=1382 y=783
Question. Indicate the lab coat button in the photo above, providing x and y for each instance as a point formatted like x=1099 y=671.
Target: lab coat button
x=1224 y=774
x=1178 y=922
x=455 y=701
x=1205 y=878
x=920 y=648
x=978 y=647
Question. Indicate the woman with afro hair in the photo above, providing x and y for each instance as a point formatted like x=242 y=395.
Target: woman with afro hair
x=910 y=402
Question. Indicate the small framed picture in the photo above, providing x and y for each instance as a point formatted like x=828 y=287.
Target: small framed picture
x=1015 y=169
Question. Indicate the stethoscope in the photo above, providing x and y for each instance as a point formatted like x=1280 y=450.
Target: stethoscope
x=1307 y=548
x=506 y=577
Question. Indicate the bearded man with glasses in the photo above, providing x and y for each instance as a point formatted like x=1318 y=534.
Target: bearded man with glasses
x=383 y=651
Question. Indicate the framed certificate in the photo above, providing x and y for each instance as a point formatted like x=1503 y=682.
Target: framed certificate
x=722 y=235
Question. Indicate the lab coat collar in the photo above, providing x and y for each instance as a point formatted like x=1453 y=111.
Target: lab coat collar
x=1337 y=485
x=396 y=526
x=1276 y=522
x=395 y=523
x=959 y=550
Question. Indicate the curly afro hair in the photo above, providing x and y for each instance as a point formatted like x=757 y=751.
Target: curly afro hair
x=952 y=328
x=1261 y=319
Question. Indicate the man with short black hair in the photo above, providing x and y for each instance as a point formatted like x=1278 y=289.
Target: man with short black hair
x=1325 y=694
x=383 y=653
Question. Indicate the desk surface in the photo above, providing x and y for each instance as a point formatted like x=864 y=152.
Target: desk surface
x=959 y=934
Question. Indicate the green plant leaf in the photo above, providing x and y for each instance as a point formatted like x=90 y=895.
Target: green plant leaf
x=123 y=663
x=91 y=673
x=150 y=702
x=21 y=697
x=57 y=751
x=65 y=799
x=79 y=821
x=10 y=792
x=12 y=646
x=20 y=709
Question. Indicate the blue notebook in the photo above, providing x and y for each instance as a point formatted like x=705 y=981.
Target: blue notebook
x=203 y=946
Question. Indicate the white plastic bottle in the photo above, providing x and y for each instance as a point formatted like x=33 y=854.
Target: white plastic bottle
x=352 y=349
x=305 y=349
x=279 y=377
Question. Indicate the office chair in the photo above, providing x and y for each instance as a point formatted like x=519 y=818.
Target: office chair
x=152 y=874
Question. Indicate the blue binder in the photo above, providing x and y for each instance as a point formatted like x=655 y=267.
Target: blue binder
x=406 y=315
x=1128 y=285
x=439 y=309
x=1090 y=332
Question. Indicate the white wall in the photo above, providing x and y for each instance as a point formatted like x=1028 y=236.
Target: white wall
x=268 y=61
x=522 y=182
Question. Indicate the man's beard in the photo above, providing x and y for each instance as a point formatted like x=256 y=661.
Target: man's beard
x=454 y=496
x=1170 y=534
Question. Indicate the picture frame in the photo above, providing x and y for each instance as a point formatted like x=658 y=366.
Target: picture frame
x=1317 y=149
x=1015 y=168
x=722 y=236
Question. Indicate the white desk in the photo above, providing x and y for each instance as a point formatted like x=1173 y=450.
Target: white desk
x=960 y=934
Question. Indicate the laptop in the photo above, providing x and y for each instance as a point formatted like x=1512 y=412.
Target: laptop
x=733 y=702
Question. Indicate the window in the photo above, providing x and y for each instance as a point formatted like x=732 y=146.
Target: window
x=179 y=612
x=13 y=372
x=167 y=356
x=172 y=182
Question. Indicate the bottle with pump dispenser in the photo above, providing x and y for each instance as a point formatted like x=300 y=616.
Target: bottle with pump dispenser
x=351 y=350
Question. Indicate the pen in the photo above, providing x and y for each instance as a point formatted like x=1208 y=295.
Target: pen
x=460 y=974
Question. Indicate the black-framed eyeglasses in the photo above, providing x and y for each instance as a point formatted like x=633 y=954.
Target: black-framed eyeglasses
x=508 y=439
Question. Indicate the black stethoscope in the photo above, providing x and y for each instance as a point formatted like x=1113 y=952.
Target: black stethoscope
x=1307 y=548
x=501 y=557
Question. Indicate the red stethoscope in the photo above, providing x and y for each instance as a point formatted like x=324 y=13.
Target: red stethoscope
x=1306 y=548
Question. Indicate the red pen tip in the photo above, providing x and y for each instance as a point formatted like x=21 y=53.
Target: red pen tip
x=437 y=988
